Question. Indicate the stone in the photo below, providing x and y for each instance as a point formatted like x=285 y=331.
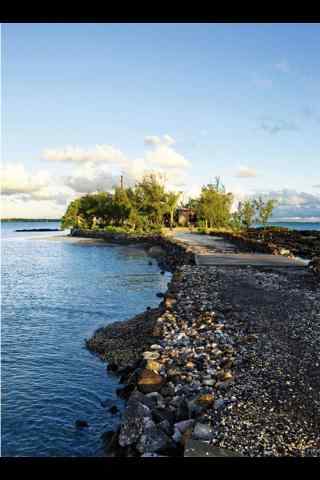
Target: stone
x=81 y=424
x=113 y=410
x=153 y=440
x=153 y=366
x=167 y=390
x=133 y=423
x=184 y=425
x=150 y=381
x=205 y=400
x=151 y=355
x=199 y=448
x=202 y=431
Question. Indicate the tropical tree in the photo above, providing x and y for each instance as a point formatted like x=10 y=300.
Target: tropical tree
x=214 y=205
x=172 y=200
x=247 y=210
x=264 y=210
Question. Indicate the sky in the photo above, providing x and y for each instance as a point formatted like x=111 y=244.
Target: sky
x=83 y=103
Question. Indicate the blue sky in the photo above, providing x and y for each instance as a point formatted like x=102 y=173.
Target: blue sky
x=240 y=101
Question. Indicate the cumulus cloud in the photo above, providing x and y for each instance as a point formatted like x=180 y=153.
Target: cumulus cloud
x=246 y=172
x=99 y=153
x=154 y=140
x=273 y=127
x=292 y=203
x=165 y=156
x=16 y=180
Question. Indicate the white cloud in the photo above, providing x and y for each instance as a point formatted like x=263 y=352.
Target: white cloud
x=16 y=180
x=99 y=153
x=246 y=172
x=154 y=140
x=165 y=156
x=292 y=203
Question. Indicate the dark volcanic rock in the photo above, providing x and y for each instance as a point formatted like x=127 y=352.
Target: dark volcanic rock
x=81 y=424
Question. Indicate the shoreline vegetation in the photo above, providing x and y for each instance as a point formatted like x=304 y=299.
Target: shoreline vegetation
x=226 y=365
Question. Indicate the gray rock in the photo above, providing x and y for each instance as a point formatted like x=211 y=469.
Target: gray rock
x=198 y=448
x=184 y=425
x=153 y=439
x=202 y=431
x=133 y=423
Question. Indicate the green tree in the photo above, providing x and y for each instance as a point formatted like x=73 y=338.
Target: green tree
x=172 y=203
x=247 y=212
x=264 y=210
x=214 y=205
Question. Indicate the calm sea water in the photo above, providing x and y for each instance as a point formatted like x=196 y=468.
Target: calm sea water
x=298 y=225
x=56 y=293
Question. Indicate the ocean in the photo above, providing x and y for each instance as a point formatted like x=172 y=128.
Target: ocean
x=56 y=293
x=297 y=225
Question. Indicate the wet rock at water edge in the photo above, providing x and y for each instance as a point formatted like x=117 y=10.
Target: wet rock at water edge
x=81 y=424
x=112 y=367
x=125 y=391
x=153 y=440
x=114 y=410
x=160 y=294
x=135 y=419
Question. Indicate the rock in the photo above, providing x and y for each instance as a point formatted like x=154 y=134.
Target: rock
x=150 y=263
x=153 y=440
x=153 y=366
x=134 y=420
x=81 y=424
x=202 y=431
x=160 y=294
x=198 y=448
x=150 y=381
x=156 y=251
x=182 y=412
x=219 y=403
x=314 y=265
x=167 y=427
x=205 y=400
x=167 y=390
x=113 y=410
x=125 y=391
x=110 y=442
x=161 y=414
x=151 y=355
x=285 y=252
x=184 y=425
x=112 y=367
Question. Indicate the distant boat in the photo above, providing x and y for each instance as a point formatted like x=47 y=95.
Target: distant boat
x=40 y=230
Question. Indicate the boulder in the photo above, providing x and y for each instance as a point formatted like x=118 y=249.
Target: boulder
x=202 y=431
x=153 y=440
x=133 y=422
x=150 y=381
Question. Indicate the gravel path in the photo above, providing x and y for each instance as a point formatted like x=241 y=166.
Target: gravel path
x=272 y=319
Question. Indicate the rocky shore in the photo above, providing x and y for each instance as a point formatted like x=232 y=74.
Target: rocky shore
x=277 y=241
x=227 y=365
